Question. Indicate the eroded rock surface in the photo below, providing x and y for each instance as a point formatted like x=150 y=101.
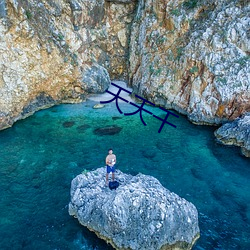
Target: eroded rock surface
x=140 y=214
x=236 y=133
x=59 y=51
x=193 y=56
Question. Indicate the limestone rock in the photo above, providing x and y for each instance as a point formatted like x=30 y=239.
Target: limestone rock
x=95 y=79
x=236 y=133
x=140 y=214
x=61 y=50
x=98 y=106
x=192 y=56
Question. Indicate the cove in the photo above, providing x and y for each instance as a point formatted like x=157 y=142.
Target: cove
x=39 y=156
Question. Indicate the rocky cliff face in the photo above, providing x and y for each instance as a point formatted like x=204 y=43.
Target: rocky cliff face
x=140 y=214
x=236 y=133
x=193 y=56
x=59 y=51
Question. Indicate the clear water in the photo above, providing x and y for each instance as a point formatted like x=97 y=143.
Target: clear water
x=39 y=156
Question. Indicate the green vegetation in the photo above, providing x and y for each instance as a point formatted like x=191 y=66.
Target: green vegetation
x=179 y=52
x=60 y=37
x=243 y=60
x=222 y=79
x=160 y=40
x=158 y=71
x=151 y=69
x=28 y=14
x=190 y=4
x=154 y=71
x=74 y=60
x=175 y=12
x=194 y=69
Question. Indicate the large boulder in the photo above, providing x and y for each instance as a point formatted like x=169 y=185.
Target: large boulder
x=140 y=214
x=236 y=133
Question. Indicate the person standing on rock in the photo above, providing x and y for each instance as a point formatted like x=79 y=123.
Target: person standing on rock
x=110 y=161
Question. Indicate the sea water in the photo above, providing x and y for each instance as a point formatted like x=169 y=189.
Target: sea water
x=39 y=156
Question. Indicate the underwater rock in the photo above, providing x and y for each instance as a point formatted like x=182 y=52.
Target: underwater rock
x=83 y=127
x=148 y=153
x=68 y=124
x=236 y=133
x=108 y=130
x=114 y=118
x=140 y=202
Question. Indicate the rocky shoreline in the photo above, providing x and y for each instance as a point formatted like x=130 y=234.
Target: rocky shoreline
x=140 y=214
x=236 y=133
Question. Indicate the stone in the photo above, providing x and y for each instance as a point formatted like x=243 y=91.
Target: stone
x=98 y=106
x=108 y=130
x=139 y=214
x=236 y=133
x=68 y=124
x=78 y=89
x=95 y=79
x=122 y=37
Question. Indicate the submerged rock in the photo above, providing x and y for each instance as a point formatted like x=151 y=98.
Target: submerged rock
x=236 y=133
x=108 y=130
x=140 y=214
x=83 y=128
x=114 y=118
x=68 y=124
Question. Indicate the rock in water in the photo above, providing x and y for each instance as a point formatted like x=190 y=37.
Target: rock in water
x=68 y=124
x=140 y=214
x=236 y=133
x=98 y=106
x=108 y=130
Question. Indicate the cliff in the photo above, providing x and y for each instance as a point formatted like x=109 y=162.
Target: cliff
x=59 y=51
x=140 y=214
x=193 y=56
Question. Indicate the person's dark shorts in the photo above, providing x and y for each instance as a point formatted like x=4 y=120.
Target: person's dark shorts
x=110 y=169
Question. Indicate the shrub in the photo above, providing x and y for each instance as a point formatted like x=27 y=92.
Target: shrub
x=28 y=14
x=194 y=69
x=190 y=4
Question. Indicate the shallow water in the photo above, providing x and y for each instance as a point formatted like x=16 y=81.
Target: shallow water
x=40 y=155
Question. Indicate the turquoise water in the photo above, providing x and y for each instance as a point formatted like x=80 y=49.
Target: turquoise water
x=39 y=156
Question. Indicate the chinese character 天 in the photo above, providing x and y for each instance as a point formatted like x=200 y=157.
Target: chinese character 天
x=140 y=107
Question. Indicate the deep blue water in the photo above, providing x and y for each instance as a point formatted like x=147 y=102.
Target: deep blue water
x=39 y=156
